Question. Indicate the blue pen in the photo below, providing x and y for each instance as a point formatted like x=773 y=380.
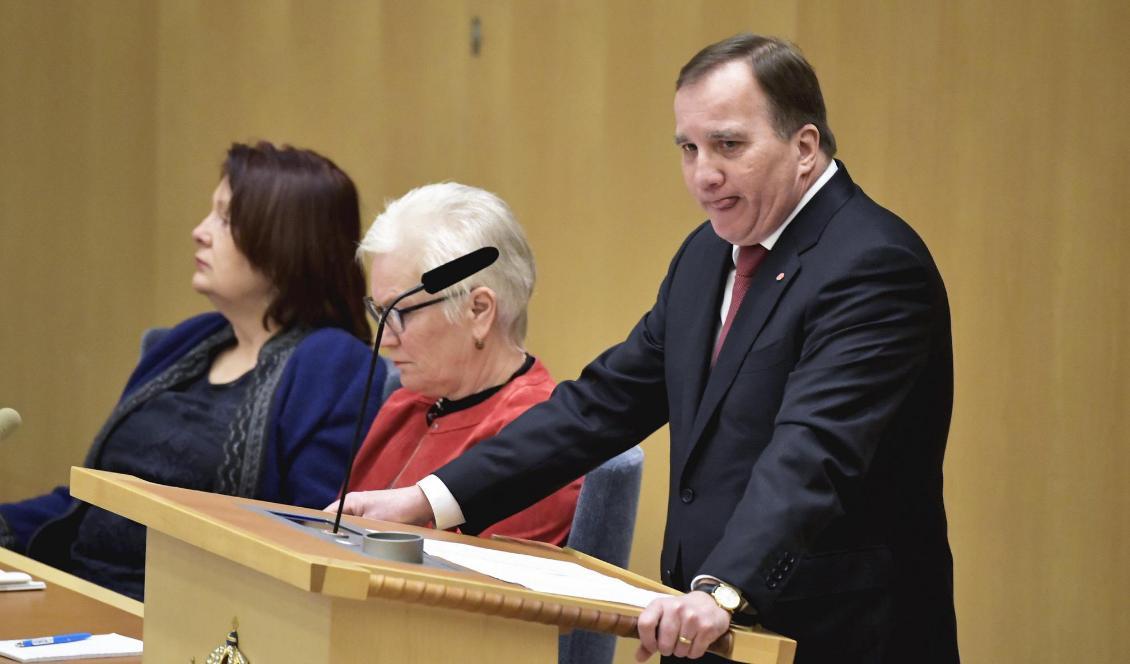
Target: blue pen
x=58 y=638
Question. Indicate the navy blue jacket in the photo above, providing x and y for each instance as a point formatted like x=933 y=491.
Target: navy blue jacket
x=305 y=438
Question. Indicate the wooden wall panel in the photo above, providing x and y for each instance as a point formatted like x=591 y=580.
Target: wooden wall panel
x=994 y=129
x=990 y=130
x=76 y=223
x=300 y=73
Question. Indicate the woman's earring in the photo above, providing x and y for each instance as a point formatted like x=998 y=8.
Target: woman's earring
x=479 y=343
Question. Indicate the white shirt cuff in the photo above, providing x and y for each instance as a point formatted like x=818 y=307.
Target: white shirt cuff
x=705 y=577
x=446 y=510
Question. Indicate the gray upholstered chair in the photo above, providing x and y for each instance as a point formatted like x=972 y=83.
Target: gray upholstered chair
x=602 y=527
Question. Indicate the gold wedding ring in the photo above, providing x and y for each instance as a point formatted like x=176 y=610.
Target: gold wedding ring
x=685 y=640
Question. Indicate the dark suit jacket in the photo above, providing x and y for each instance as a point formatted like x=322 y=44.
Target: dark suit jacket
x=806 y=466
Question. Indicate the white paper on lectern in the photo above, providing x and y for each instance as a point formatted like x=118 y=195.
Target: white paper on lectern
x=558 y=577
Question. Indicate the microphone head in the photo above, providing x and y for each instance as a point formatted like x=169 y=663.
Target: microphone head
x=9 y=422
x=457 y=270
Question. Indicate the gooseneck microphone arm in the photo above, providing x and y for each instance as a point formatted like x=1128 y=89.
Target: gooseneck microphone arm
x=432 y=282
x=365 y=400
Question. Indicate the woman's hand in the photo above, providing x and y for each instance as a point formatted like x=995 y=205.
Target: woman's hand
x=407 y=505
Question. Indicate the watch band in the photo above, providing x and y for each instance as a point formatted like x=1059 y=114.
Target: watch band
x=727 y=597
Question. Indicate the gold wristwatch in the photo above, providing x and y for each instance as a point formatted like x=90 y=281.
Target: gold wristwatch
x=725 y=596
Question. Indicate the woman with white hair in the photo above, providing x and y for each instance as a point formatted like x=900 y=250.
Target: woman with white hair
x=463 y=364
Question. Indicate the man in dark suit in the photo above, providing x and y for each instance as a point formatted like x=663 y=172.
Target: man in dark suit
x=800 y=349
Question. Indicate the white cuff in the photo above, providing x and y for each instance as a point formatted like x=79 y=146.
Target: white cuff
x=705 y=577
x=446 y=510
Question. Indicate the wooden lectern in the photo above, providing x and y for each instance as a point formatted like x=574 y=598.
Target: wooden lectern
x=299 y=596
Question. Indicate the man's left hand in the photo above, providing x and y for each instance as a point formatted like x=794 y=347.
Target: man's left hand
x=406 y=505
x=681 y=626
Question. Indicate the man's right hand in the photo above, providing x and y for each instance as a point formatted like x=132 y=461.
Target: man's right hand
x=407 y=505
x=683 y=626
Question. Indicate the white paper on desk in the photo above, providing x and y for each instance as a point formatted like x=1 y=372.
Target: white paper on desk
x=99 y=645
x=14 y=581
x=26 y=585
x=545 y=575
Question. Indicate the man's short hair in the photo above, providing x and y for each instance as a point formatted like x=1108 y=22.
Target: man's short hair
x=786 y=77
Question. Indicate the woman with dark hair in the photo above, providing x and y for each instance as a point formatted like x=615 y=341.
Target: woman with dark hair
x=257 y=399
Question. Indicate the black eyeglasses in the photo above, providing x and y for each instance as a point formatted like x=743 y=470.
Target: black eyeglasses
x=395 y=316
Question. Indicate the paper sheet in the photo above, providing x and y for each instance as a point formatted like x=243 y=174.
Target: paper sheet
x=99 y=645
x=26 y=585
x=13 y=581
x=543 y=575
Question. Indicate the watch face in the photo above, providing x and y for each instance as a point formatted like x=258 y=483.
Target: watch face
x=727 y=598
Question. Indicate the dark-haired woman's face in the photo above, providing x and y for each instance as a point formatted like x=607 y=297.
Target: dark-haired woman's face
x=223 y=273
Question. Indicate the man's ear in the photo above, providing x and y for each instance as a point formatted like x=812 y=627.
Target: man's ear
x=807 y=142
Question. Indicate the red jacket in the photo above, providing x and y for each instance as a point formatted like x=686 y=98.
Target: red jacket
x=401 y=449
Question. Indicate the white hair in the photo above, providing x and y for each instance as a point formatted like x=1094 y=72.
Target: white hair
x=436 y=223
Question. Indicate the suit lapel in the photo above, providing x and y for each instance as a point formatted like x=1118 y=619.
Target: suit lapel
x=764 y=292
x=698 y=322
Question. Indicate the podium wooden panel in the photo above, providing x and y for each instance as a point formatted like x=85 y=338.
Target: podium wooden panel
x=300 y=598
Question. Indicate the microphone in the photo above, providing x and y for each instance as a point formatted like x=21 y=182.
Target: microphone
x=432 y=281
x=452 y=272
x=9 y=422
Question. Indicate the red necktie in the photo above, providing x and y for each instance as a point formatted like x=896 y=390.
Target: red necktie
x=748 y=260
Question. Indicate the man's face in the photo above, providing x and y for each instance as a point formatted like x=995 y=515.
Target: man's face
x=745 y=176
